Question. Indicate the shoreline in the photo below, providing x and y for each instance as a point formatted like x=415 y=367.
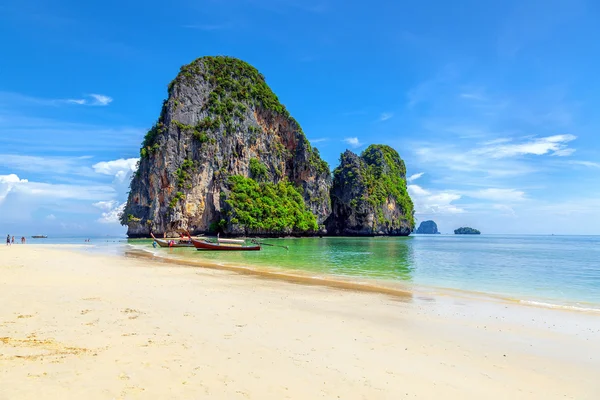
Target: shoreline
x=347 y=282
x=79 y=324
x=367 y=284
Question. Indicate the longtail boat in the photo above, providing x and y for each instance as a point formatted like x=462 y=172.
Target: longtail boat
x=224 y=245
x=176 y=242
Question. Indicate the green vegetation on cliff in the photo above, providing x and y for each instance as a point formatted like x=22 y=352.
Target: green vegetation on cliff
x=466 y=231
x=316 y=161
x=258 y=170
x=234 y=82
x=383 y=175
x=149 y=144
x=268 y=207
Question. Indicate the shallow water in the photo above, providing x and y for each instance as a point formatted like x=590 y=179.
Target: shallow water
x=530 y=268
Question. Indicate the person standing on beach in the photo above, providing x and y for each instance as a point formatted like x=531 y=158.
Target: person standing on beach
x=13 y=240
x=8 y=240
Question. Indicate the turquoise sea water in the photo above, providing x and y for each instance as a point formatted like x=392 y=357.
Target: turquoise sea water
x=546 y=269
x=563 y=269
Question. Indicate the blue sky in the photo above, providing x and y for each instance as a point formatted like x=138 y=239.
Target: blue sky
x=493 y=105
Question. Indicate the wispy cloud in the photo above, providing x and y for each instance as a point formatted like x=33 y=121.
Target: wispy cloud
x=414 y=177
x=385 y=116
x=28 y=191
x=496 y=194
x=99 y=100
x=555 y=145
x=497 y=141
x=462 y=165
x=498 y=158
x=472 y=96
x=590 y=164
x=88 y=100
x=353 y=142
x=45 y=164
x=434 y=202
x=318 y=140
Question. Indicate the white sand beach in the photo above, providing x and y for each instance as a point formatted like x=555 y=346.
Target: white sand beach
x=89 y=326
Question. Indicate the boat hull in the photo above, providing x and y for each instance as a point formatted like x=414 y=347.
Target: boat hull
x=204 y=245
x=165 y=243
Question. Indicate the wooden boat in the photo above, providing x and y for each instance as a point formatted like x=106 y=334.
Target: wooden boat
x=40 y=237
x=177 y=242
x=224 y=245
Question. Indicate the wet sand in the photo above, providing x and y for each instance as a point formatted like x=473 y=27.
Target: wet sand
x=76 y=325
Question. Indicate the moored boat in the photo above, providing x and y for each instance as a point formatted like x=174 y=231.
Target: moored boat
x=172 y=242
x=40 y=237
x=224 y=245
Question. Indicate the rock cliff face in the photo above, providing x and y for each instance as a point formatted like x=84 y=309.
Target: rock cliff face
x=219 y=124
x=369 y=195
x=427 y=227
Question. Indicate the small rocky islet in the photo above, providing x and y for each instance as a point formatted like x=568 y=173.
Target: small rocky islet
x=226 y=156
x=427 y=228
x=466 y=231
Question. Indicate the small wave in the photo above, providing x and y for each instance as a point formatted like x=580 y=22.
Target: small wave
x=559 y=306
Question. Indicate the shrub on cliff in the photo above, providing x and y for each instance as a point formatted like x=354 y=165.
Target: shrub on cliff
x=268 y=207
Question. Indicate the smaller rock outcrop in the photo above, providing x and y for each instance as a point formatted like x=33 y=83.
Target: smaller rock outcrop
x=466 y=231
x=369 y=195
x=427 y=228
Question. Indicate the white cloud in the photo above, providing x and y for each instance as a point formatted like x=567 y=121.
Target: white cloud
x=51 y=217
x=353 y=141
x=385 y=116
x=414 y=177
x=497 y=141
x=92 y=100
x=497 y=158
x=106 y=205
x=428 y=202
x=100 y=100
x=555 y=145
x=76 y=101
x=121 y=169
x=495 y=194
x=318 y=140
x=112 y=211
x=7 y=183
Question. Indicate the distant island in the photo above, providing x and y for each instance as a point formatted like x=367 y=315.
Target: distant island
x=466 y=231
x=428 y=228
